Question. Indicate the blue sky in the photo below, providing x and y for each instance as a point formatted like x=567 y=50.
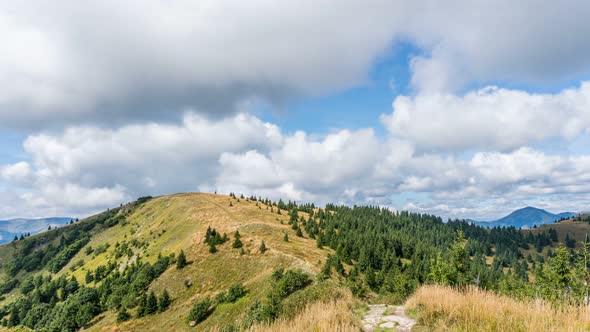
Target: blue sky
x=454 y=109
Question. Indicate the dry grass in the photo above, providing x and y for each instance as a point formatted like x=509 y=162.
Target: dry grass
x=331 y=316
x=445 y=309
x=171 y=223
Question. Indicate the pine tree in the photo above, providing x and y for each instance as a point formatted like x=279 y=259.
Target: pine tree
x=164 y=301
x=299 y=233
x=212 y=248
x=151 y=304
x=262 y=247
x=286 y=237
x=181 y=260
x=123 y=315
x=237 y=242
x=89 y=277
x=141 y=306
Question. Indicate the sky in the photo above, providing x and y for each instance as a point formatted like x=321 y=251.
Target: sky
x=463 y=109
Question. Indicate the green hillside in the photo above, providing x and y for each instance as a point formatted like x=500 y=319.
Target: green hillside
x=163 y=227
x=224 y=263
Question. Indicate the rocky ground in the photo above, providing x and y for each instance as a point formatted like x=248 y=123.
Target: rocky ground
x=382 y=316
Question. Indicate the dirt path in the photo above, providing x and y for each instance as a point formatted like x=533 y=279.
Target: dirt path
x=387 y=317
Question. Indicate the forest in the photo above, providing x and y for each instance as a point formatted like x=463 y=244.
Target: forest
x=375 y=252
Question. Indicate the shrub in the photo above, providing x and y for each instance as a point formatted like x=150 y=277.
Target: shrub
x=201 y=310
x=122 y=316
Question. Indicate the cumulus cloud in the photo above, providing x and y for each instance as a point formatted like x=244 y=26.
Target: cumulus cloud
x=111 y=61
x=87 y=169
x=101 y=77
x=108 y=61
x=15 y=173
x=92 y=168
x=490 y=118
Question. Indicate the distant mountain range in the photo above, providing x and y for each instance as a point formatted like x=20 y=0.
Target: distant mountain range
x=15 y=227
x=526 y=218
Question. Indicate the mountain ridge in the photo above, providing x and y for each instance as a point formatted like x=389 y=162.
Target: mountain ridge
x=10 y=228
x=526 y=217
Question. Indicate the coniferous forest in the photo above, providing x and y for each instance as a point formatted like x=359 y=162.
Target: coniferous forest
x=372 y=251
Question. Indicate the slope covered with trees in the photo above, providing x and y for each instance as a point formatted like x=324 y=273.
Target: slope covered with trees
x=229 y=262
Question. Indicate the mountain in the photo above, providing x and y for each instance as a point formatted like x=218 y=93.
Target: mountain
x=208 y=262
x=526 y=218
x=135 y=247
x=16 y=227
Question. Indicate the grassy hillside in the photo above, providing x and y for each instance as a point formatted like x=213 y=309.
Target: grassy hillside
x=221 y=263
x=447 y=309
x=165 y=226
x=576 y=228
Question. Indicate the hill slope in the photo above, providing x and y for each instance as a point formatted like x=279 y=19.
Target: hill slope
x=166 y=225
x=526 y=218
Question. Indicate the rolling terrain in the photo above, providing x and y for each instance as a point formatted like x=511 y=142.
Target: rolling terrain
x=165 y=226
x=211 y=262
x=17 y=227
x=527 y=217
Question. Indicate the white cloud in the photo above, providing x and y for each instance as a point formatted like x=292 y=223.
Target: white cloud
x=106 y=59
x=69 y=62
x=16 y=173
x=490 y=118
x=108 y=85
x=88 y=169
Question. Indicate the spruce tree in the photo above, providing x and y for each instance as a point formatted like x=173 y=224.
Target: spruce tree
x=212 y=248
x=141 y=306
x=237 y=242
x=89 y=277
x=262 y=247
x=181 y=260
x=164 y=301
x=151 y=304
x=123 y=315
x=299 y=233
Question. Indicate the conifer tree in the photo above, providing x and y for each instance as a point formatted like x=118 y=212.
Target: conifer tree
x=164 y=301
x=299 y=233
x=141 y=306
x=151 y=304
x=123 y=315
x=237 y=241
x=181 y=260
x=212 y=248
x=89 y=277
x=262 y=247
x=286 y=237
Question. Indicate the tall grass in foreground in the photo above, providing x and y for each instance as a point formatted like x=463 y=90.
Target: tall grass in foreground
x=329 y=316
x=445 y=309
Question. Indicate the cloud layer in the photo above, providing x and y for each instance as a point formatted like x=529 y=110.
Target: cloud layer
x=86 y=168
x=125 y=99
x=108 y=61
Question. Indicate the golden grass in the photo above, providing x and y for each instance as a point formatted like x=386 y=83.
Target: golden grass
x=171 y=223
x=445 y=309
x=333 y=316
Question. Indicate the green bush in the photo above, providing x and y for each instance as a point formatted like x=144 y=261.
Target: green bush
x=201 y=310
x=235 y=292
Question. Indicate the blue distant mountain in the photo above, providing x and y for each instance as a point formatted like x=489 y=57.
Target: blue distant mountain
x=526 y=218
x=15 y=227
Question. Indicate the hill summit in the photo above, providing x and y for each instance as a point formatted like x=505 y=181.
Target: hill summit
x=526 y=217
